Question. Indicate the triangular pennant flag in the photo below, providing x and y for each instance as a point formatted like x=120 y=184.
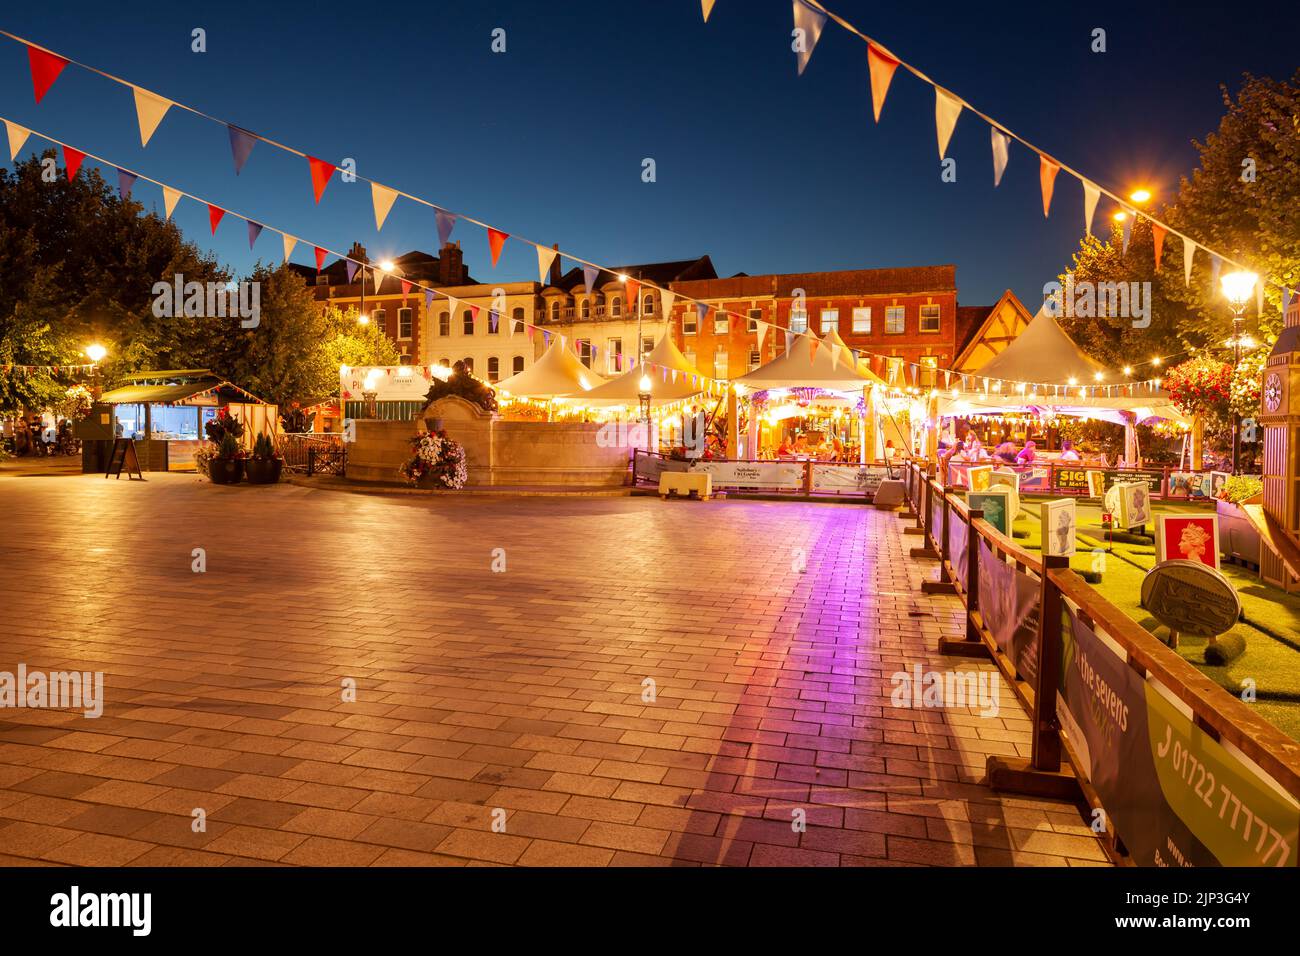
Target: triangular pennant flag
x=589 y=274
x=320 y=257
x=496 y=239
x=289 y=243
x=1189 y=253
x=808 y=25
x=666 y=302
x=46 y=68
x=530 y=329
x=633 y=293
x=1125 y=230
x=702 y=309
x=406 y=290
x=125 y=183
x=17 y=136
x=1001 y=145
x=1047 y=171
x=241 y=145
x=946 y=110
x=376 y=277
x=321 y=172
x=352 y=268
x=1158 y=233
x=446 y=222
x=835 y=354
x=428 y=300
x=545 y=257
x=149 y=111
x=1215 y=265
x=72 y=160
x=170 y=198
x=214 y=216
x=762 y=332
x=789 y=340
x=254 y=230
x=707 y=7
x=673 y=373
x=383 y=199
x=473 y=312
x=881 y=66
x=812 y=350
x=546 y=337
x=1091 y=194
x=493 y=318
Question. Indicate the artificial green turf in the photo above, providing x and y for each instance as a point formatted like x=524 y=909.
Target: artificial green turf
x=1271 y=660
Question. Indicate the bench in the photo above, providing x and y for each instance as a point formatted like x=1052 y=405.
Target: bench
x=686 y=483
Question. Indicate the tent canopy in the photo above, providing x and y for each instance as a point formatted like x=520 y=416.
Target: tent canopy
x=557 y=372
x=1043 y=353
x=830 y=366
x=664 y=358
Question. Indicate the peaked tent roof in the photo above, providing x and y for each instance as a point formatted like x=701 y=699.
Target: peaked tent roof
x=1043 y=354
x=800 y=367
x=557 y=372
x=625 y=389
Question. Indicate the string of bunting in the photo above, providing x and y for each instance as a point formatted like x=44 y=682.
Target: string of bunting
x=810 y=18
x=46 y=65
x=52 y=369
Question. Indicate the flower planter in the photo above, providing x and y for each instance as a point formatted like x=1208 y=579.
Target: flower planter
x=1238 y=537
x=431 y=483
x=263 y=471
x=226 y=471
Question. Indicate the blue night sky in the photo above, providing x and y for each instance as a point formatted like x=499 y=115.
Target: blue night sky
x=763 y=170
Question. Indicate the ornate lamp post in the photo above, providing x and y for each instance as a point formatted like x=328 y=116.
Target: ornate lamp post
x=1237 y=289
x=95 y=353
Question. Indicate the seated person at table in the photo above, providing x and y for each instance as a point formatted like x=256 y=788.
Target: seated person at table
x=974 y=449
x=890 y=450
x=1026 y=456
x=1006 y=452
x=783 y=450
x=1067 y=451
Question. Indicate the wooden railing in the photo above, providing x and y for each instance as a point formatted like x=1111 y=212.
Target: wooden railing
x=958 y=538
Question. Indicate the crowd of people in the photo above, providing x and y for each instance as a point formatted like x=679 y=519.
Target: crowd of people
x=38 y=436
x=971 y=449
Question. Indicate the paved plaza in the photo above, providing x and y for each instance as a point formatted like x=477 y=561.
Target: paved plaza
x=645 y=683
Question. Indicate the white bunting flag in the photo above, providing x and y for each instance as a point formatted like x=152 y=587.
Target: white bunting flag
x=289 y=243
x=762 y=332
x=667 y=300
x=835 y=354
x=170 y=198
x=1090 y=196
x=946 y=110
x=789 y=341
x=1001 y=142
x=1189 y=252
x=545 y=257
x=808 y=24
x=383 y=198
x=149 y=110
x=17 y=136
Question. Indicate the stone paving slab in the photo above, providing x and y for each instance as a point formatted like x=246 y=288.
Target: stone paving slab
x=483 y=696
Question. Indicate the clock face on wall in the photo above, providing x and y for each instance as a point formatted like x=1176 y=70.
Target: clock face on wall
x=1272 y=391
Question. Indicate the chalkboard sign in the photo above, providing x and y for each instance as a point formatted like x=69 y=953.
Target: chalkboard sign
x=124 y=457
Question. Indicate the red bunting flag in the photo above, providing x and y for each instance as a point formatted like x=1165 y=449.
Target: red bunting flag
x=633 y=293
x=406 y=290
x=321 y=172
x=72 y=160
x=473 y=312
x=46 y=68
x=496 y=239
x=1047 y=171
x=1158 y=233
x=320 y=257
x=214 y=216
x=882 y=67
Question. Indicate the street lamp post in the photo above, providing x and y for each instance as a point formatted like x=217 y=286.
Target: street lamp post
x=95 y=353
x=1237 y=289
x=643 y=396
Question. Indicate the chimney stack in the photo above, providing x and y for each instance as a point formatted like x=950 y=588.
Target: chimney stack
x=451 y=264
x=554 y=277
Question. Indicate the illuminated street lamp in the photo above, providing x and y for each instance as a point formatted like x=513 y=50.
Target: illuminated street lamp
x=95 y=352
x=1237 y=289
x=1140 y=196
x=643 y=396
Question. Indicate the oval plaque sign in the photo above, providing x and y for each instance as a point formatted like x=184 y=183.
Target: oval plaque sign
x=1191 y=598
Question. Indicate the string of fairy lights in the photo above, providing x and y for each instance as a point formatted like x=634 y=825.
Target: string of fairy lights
x=152 y=107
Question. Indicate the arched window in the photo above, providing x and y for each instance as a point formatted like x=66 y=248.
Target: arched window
x=517 y=317
x=555 y=311
x=586 y=308
x=444 y=324
x=616 y=306
x=445 y=362
x=469 y=365
x=517 y=365
x=494 y=369
x=649 y=305
x=467 y=322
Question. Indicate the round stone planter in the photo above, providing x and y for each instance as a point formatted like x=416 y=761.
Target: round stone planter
x=263 y=471
x=226 y=471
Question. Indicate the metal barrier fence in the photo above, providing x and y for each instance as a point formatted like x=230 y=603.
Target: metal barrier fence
x=1177 y=771
x=313 y=452
x=799 y=477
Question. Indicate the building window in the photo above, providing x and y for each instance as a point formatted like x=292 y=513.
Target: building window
x=720 y=363
x=830 y=320
x=862 y=319
x=494 y=369
x=616 y=305
x=647 y=345
x=586 y=308
x=584 y=351
x=403 y=323
x=379 y=317
x=614 y=355
x=688 y=321
x=895 y=317
x=555 y=311
x=517 y=317
x=444 y=324
x=445 y=362
x=649 y=305
x=406 y=359
x=468 y=320
x=721 y=322
x=755 y=359
x=798 y=320
x=751 y=322
x=469 y=365
x=322 y=280
x=517 y=364
x=929 y=318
